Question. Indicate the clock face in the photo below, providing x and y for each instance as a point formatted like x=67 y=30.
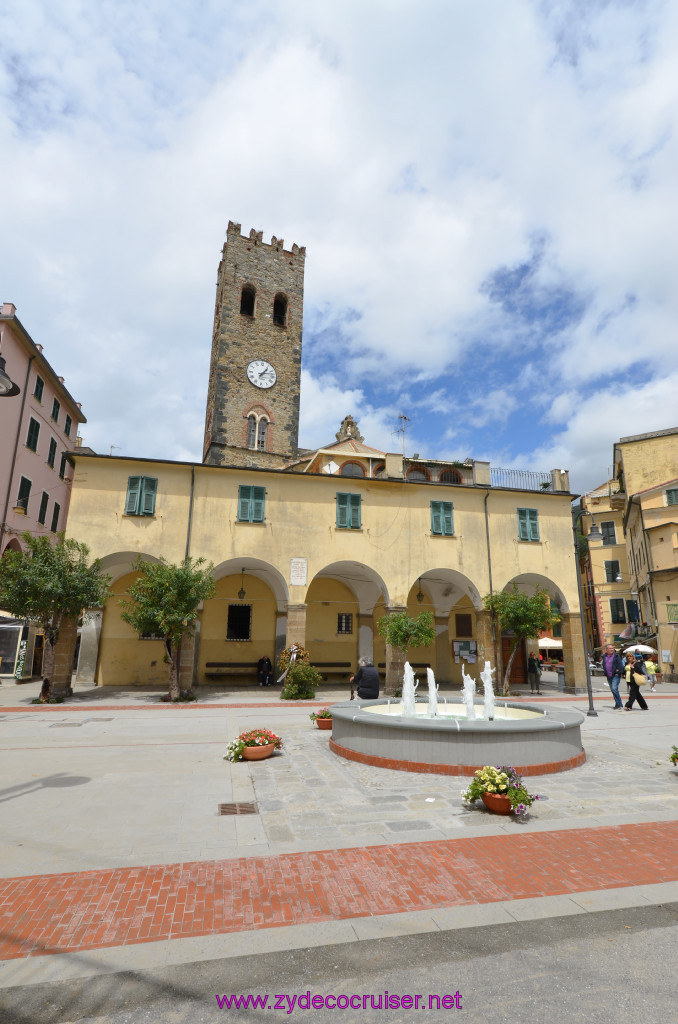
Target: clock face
x=261 y=374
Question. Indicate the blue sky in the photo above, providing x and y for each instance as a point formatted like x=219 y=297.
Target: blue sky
x=486 y=193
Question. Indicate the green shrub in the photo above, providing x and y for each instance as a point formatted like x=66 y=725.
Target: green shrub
x=301 y=682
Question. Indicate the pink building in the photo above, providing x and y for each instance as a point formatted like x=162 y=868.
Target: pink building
x=38 y=428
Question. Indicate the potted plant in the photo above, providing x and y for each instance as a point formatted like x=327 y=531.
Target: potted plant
x=254 y=745
x=322 y=718
x=502 y=790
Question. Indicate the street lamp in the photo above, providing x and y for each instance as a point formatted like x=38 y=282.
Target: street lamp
x=591 y=713
x=7 y=386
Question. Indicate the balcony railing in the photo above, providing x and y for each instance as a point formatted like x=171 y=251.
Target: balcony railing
x=524 y=479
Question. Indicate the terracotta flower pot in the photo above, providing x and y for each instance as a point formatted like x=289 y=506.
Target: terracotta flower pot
x=497 y=803
x=258 y=753
x=324 y=723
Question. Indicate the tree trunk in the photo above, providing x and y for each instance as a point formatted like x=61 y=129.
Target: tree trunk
x=173 y=655
x=507 y=673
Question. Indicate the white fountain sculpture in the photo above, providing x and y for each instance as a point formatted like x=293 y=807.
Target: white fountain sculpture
x=432 y=694
x=469 y=692
x=409 y=687
x=486 y=676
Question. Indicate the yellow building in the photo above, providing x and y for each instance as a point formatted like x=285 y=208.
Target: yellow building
x=646 y=467
x=312 y=546
x=610 y=595
x=310 y=555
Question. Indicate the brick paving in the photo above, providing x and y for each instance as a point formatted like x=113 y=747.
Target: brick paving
x=89 y=910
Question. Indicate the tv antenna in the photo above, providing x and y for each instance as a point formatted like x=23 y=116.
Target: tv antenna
x=403 y=420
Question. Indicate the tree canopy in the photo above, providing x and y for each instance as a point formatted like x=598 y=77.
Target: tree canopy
x=49 y=582
x=163 y=601
x=401 y=631
x=525 y=616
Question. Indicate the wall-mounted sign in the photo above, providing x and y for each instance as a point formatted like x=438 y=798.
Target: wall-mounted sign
x=298 y=572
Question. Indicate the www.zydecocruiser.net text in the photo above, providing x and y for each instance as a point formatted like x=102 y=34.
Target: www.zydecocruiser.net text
x=358 y=1001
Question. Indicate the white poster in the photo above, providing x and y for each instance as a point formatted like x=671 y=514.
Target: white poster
x=298 y=572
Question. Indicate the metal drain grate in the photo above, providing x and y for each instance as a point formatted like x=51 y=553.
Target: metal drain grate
x=65 y=725
x=239 y=808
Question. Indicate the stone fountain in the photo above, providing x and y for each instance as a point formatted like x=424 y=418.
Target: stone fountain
x=454 y=736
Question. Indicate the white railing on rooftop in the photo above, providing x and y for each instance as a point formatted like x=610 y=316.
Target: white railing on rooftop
x=525 y=479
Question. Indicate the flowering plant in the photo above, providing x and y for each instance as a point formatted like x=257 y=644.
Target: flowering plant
x=674 y=757
x=323 y=713
x=505 y=781
x=252 y=738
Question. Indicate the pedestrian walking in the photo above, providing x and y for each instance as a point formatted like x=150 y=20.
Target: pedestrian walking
x=613 y=667
x=533 y=674
x=651 y=670
x=638 y=678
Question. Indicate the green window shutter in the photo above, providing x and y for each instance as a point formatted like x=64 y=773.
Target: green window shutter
x=33 y=434
x=523 y=528
x=52 y=452
x=149 y=487
x=24 y=492
x=436 y=517
x=245 y=504
x=44 y=501
x=342 y=510
x=355 y=520
x=448 y=518
x=133 y=493
x=528 y=524
x=258 y=504
x=672 y=497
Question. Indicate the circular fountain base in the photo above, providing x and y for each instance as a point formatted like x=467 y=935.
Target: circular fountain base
x=534 y=740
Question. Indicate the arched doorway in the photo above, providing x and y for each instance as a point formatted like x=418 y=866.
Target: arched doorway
x=343 y=602
x=245 y=620
x=459 y=619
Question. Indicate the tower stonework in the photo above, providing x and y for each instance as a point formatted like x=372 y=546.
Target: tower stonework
x=252 y=415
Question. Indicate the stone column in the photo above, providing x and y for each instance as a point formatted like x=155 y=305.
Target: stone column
x=90 y=635
x=296 y=625
x=280 y=637
x=443 y=656
x=365 y=636
x=395 y=661
x=573 y=653
x=63 y=658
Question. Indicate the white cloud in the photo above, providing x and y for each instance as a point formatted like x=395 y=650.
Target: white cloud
x=413 y=147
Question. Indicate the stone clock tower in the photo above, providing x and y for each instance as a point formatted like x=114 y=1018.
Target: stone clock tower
x=252 y=416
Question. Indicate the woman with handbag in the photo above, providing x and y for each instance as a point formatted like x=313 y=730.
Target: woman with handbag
x=638 y=678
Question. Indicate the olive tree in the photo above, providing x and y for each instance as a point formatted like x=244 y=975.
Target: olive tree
x=47 y=583
x=163 y=601
x=522 y=615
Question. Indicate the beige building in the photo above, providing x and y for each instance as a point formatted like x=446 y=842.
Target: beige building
x=646 y=468
x=610 y=595
x=316 y=557
x=312 y=546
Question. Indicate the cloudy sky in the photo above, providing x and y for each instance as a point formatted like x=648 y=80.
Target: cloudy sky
x=486 y=191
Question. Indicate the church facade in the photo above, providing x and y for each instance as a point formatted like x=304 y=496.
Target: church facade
x=315 y=546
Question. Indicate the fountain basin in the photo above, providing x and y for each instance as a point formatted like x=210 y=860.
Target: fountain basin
x=534 y=740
